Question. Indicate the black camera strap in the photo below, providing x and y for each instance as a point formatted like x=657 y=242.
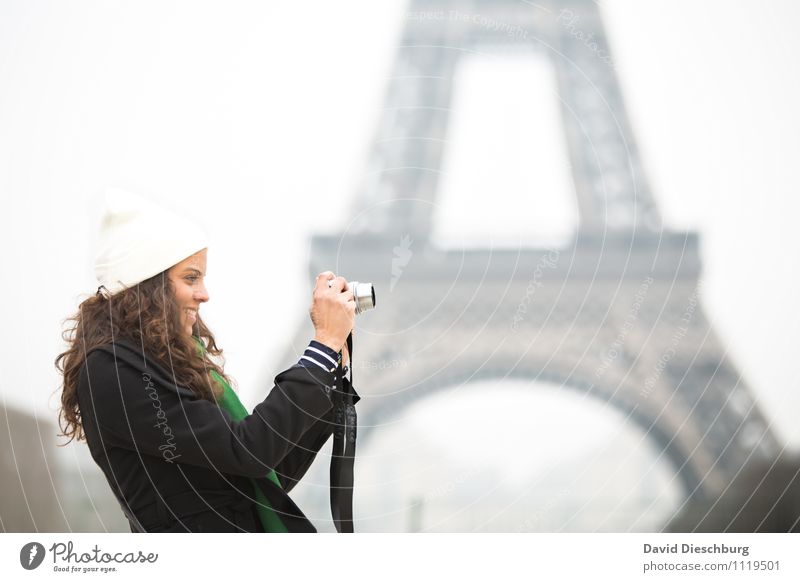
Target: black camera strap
x=344 y=449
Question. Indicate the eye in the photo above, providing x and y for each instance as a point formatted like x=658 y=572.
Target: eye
x=192 y=278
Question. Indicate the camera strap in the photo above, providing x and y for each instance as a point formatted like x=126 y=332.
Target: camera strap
x=344 y=449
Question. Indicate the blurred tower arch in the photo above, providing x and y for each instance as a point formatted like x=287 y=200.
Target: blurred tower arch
x=615 y=313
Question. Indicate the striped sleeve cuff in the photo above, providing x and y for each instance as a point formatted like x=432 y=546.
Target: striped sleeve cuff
x=320 y=355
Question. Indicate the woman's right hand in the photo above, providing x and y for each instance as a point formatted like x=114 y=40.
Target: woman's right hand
x=333 y=310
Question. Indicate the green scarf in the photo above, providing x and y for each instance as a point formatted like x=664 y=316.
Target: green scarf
x=230 y=402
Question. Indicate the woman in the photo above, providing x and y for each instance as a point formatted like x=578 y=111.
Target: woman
x=145 y=387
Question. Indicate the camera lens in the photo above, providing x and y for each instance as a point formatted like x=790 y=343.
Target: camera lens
x=364 y=295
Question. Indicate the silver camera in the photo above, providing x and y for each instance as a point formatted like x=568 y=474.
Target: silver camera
x=364 y=295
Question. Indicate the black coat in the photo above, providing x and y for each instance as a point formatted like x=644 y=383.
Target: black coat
x=181 y=463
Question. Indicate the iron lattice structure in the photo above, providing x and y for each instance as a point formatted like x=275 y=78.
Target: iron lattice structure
x=615 y=313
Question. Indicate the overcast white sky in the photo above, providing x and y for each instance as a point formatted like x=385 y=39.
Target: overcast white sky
x=255 y=118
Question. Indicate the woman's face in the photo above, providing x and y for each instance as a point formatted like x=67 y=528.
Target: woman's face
x=190 y=290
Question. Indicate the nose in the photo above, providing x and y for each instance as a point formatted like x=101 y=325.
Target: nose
x=201 y=294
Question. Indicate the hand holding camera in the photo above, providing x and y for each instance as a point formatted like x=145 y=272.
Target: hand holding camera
x=333 y=310
x=335 y=304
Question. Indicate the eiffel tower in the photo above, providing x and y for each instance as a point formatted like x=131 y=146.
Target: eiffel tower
x=614 y=314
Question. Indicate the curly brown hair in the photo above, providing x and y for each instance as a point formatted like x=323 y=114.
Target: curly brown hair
x=145 y=314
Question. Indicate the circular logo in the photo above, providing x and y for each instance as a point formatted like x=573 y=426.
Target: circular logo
x=31 y=555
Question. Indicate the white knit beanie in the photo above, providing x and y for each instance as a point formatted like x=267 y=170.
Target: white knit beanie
x=139 y=239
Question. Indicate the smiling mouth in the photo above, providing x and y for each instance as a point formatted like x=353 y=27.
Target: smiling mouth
x=191 y=314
